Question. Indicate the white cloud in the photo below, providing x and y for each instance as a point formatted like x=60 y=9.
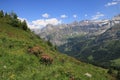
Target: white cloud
x=111 y=4
x=28 y=23
x=86 y=15
x=114 y=2
x=97 y=16
x=22 y=19
x=75 y=16
x=46 y=15
x=40 y=23
x=63 y=16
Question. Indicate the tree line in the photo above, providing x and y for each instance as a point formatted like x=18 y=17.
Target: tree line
x=12 y=19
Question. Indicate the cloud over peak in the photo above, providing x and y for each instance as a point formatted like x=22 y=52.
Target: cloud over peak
x=75 y=16
x=97 y=16
x=40 y=23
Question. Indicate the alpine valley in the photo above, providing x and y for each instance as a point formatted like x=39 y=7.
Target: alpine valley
x=59 y=39
x=92 y=41
x=25 y=56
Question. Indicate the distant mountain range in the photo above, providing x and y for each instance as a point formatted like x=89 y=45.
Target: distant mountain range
x=97 y=41
x=102 y=50
x=58 y=34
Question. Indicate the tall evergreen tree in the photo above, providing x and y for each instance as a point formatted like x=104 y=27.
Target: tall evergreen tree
x=110 y=71
x=7 y=15
x=13 y=15
x=1 y=14
x=49 y=43
x=24 y=25
x=118 y=75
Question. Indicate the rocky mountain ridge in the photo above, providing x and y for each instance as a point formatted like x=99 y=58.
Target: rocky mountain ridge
x=58 y=34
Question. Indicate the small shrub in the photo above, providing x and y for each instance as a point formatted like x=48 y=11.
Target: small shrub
x=11 y=46
x=36 y=50
x=110 y=71
x=118 y=75
x=49 y=43
x=46 y=59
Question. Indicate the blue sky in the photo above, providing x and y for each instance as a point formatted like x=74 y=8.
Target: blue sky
x=41 y=12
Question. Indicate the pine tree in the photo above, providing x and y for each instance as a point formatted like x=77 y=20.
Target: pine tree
x=1 y=14
x=13 y=15
x=49 y=43
x=7 y=15
x=24 y=25
x=110 y=71
x=118 y=75
x=55 y=47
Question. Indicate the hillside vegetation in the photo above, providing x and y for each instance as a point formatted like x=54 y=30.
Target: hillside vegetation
x=21 y=58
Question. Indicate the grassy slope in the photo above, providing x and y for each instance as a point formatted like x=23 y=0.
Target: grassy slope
x=17 y=64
